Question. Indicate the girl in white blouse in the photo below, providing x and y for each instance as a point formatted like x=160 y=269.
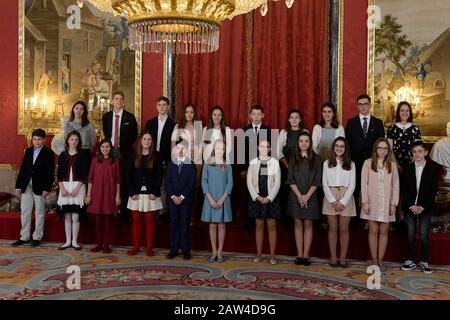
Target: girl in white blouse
x=338 y=182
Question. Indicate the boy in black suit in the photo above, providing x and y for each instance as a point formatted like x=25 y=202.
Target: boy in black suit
x=34 y=183
x=253 y=133
x=419 y=190
x=161 y=128
x=361 y=133
x=120 y=126
x=180 y=182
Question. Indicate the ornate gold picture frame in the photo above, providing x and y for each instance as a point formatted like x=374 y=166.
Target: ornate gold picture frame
x=67 y=53
x=408 y=51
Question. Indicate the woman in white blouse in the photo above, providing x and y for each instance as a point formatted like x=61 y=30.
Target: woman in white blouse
x=217 y=129
x=326 y=131
x=338 y=181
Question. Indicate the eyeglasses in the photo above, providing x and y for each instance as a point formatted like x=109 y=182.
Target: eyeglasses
x=363 y=104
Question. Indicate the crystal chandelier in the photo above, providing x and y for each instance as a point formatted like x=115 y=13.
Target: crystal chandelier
x=177 y=26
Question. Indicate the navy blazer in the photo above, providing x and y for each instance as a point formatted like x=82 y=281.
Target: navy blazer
x=42 y=172
x=181 y=183
x=360 y=148
x=427 y=189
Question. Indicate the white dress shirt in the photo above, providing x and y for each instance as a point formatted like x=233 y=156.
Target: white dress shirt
x=338 y=177
x=114 y=124
x=419 y=171
x=361 y=120
x=256 y=125
x=161 y=123
x=36 y=153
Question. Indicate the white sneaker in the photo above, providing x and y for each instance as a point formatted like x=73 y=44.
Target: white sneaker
x=426 y=267
x=408 y=265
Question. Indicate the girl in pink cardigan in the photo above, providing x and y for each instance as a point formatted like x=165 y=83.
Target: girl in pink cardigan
x=380 y=196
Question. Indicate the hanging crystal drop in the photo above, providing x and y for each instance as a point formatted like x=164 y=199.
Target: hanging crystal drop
x=289 y=3
x=264 y=9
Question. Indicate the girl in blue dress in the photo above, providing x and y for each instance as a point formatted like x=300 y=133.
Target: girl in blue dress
x=217 y=184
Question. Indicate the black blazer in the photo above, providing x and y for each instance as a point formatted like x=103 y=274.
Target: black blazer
x=250 y=136
x=427 y=189
x=166 y=137
x=181 y=183
x=128 y=131
x=154 y=181
x=42 y=171
x=81 y=163
x=360 y=148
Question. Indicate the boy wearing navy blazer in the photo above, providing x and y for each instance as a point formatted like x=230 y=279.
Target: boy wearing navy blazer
x=419 y=190
x=180 y=182
x=34 y=183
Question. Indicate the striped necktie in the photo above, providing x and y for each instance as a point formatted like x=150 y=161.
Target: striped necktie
x=365 y=127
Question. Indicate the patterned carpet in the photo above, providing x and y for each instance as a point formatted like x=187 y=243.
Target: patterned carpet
x=27 y=273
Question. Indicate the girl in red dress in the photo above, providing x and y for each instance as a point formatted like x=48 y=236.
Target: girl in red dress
x=103 y=195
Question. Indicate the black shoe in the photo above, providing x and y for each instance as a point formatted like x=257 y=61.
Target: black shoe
x=306 y=262
x=299 y=261
x=18 y=243
x=171 y=255
x=35 y=243
x=187 y=256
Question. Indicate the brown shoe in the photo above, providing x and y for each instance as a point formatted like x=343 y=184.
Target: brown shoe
x=97 y=248
x=133 y=251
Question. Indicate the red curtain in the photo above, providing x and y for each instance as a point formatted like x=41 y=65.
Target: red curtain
x=217 y=78
x=288 y=60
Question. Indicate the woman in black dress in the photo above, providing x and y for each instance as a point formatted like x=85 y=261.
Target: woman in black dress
x=263 y=182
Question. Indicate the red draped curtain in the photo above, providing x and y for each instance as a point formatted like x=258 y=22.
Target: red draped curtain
x=279 y=61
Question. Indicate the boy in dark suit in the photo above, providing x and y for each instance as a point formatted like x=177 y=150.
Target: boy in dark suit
x=253 y=133
x=361 y=133
x=120 y=126
x=34 y=183
x=180 y=182
x=161 y=128
x=419 y=190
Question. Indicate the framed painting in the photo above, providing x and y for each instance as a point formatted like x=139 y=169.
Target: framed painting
x=408 y=60
x=68 y=53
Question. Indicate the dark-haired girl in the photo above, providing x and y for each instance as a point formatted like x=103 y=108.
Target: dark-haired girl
x=338 y=182
x=144 y=189
x=73 y=170
x=304 y=177
x=103 y=195
x=403 y=134
x=326 y=131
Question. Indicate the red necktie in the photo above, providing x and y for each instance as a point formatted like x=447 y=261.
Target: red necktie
x=116 y=132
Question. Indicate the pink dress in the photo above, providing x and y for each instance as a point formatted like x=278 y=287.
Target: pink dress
x=104 y=178
x=380 y=190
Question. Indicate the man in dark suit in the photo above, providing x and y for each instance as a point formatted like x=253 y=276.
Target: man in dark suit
x=180 y=182
x=161 y=128
x=419 y=189
x=253 y=133
x=361 y=133
x=120 y=126
x=34 y=183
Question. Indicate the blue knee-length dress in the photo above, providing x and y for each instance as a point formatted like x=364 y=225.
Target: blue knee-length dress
x=216 y=180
